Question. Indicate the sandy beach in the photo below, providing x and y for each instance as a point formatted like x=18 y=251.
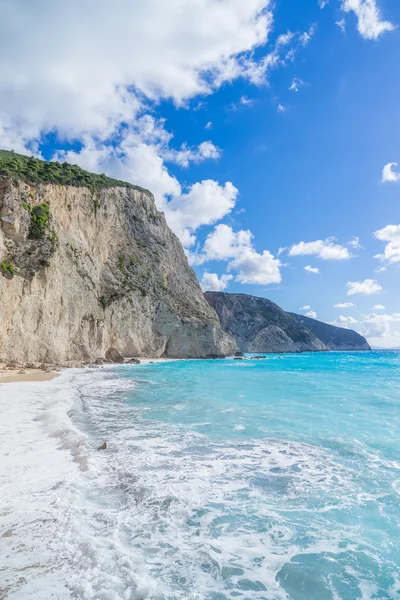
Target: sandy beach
x=29 y=376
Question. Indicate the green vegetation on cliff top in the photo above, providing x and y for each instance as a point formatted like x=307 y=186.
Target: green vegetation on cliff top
x=32 y=170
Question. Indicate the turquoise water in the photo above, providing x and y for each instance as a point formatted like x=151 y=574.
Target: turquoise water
x=241 y=480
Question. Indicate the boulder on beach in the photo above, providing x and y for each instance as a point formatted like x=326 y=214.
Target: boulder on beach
x=114 y=355
x=133 y=361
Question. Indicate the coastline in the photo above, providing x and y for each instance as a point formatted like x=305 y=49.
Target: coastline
x=19 y=373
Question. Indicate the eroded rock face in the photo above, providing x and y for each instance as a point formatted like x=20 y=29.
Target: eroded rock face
x=107 y=272
x=259 y=325
x=334 y=338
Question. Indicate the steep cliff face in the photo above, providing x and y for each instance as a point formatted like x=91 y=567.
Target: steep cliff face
x=334 y=338
x=83 y=269
x=259 y=325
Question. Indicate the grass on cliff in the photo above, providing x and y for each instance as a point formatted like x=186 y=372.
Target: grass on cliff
x=32 y=170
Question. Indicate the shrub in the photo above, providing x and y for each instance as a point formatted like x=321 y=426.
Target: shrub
x=33 y=170
x=7 y=269
x=40 y=216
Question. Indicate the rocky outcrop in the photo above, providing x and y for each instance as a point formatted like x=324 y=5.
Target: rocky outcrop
x=334 y=338
x=84 y=269
x=259 y=325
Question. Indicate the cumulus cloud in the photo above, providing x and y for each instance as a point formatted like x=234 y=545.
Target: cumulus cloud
x=261 y=269
x=325 y=249
x=237 y=247
x=185 y=155
x=343 y=321
x=306 y=307
x=311 y=269
x=211 y=282
x=344 y=305
x=378 y=307
x=381 y=325
x=389 y=174
x=311 y=314
x=205 y=203
x=42 y=86
x=223 y=243
x=369 y=21
x=391 y=235
x=366 y=287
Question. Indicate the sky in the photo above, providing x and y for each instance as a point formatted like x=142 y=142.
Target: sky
x=268 y=132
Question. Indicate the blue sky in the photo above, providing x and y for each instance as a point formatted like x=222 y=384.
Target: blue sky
x=263 y=129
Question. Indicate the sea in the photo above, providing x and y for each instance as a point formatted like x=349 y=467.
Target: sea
x=268 y=479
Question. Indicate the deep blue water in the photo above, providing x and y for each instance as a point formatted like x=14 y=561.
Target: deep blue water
x=242 y=480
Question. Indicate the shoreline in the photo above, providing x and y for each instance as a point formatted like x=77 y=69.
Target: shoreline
x=21 y=373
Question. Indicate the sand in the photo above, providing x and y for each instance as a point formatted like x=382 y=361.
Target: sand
x=9 y=377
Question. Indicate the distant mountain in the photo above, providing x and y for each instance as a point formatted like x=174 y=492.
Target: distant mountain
x=259 y=325
x=334 y=338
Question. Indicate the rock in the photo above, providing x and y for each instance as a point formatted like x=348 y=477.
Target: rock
x=238 y=358
x=239 y=354
x=31 y=366
x=334 y=338
x=257 y=357
x=103 y=446
x=133 y=361
x=12 y=364
x=100 y=361
x=113 y=273
x=259 y=325
x=114 y=355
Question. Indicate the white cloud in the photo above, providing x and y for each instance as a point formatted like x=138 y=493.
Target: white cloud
x=341 y=24
x=367 y=287
x=185 y=155
x=205 y=203
x=208 y=125
x=211 y=282
x=311 y=269
x=378 y=307
x=306 y=307
x=344 y=305
x=237 y=246
x=311 y=314
x=296 y=84
x=355 y=243
x=343 y=321
x=280 y=108
x=381 y=325
x=260 y=269
x=246 y=101
x=369 y=22
x=97 y=58
x=388 y=174
x=223 y=243
x=325 y=249
x=390 y=234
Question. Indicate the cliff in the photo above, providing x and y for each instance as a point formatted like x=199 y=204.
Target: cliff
x=259 y=325
x=334 y=338
x=88 y=263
